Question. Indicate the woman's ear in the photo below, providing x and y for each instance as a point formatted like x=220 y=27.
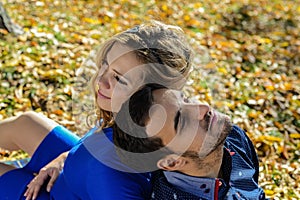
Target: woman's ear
x=172 y=162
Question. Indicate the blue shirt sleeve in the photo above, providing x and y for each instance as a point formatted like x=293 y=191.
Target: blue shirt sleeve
x=247 y=150
x=245 y=167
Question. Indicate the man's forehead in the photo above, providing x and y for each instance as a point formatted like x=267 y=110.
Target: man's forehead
x=168 y=100
x=162 y=114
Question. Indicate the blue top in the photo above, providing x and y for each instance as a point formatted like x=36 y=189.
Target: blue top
x=92 y=170
x=239 y=169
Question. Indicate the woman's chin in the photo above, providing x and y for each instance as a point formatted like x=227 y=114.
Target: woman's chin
x=104 y=105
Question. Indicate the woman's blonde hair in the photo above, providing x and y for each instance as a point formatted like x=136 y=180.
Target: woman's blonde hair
x=163 y=47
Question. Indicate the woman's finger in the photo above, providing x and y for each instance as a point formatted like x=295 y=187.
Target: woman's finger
x=33 y=188
x=36 y=191
x=28 y=194
x=53 y=178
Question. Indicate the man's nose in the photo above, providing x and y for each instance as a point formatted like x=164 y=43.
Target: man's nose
x=203 y=109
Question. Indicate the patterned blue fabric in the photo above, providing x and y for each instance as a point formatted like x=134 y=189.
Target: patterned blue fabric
x=239 y=169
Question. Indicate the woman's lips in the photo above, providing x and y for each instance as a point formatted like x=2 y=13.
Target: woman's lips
x=102 y=95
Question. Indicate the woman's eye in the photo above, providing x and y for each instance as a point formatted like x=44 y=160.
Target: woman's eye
x=119 y=79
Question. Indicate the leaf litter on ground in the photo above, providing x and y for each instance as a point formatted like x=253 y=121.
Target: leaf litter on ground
x=247 y=64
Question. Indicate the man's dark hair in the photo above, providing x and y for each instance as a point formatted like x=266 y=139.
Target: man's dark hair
x=130 y=137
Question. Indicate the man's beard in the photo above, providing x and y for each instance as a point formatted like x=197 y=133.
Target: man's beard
x=202 y=162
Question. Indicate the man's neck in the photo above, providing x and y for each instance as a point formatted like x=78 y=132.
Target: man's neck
x=209 y=167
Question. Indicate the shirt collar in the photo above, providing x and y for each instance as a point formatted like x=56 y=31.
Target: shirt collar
x=201 y=187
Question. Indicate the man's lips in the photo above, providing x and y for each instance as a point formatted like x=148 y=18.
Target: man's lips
x=102 y=95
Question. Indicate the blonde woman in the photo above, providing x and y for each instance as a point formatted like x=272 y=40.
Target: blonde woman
x=62 y=166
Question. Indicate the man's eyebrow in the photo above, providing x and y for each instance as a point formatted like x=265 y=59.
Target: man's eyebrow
x=176 y=119
x=178 y=113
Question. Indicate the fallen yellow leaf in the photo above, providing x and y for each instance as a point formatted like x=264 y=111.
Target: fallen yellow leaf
x=270 y=138
x=295 y=135
x=269 y=192
x=222 y=70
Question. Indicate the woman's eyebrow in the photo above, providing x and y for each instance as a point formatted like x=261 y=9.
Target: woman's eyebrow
x=121 y=75
x=117 y=72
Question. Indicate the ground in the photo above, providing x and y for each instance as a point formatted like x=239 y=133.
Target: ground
x=247 y=64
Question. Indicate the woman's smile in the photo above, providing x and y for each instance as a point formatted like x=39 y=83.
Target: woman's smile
x=102 y=96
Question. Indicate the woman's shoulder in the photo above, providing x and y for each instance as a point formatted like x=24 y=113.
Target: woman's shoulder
x=97 y=130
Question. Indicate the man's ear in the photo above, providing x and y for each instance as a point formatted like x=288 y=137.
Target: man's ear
x=172 y=162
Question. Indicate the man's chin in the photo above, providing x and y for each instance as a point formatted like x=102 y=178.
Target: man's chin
x=226 y=125
x=225 y=131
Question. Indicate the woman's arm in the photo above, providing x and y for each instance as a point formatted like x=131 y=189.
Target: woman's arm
x=51 y=170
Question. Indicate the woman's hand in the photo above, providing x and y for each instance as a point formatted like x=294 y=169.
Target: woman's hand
x=51 y=170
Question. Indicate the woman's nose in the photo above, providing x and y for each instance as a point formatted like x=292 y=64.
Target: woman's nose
x=104 y=82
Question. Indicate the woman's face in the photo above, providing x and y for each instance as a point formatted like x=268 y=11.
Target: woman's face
x=116 y=77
